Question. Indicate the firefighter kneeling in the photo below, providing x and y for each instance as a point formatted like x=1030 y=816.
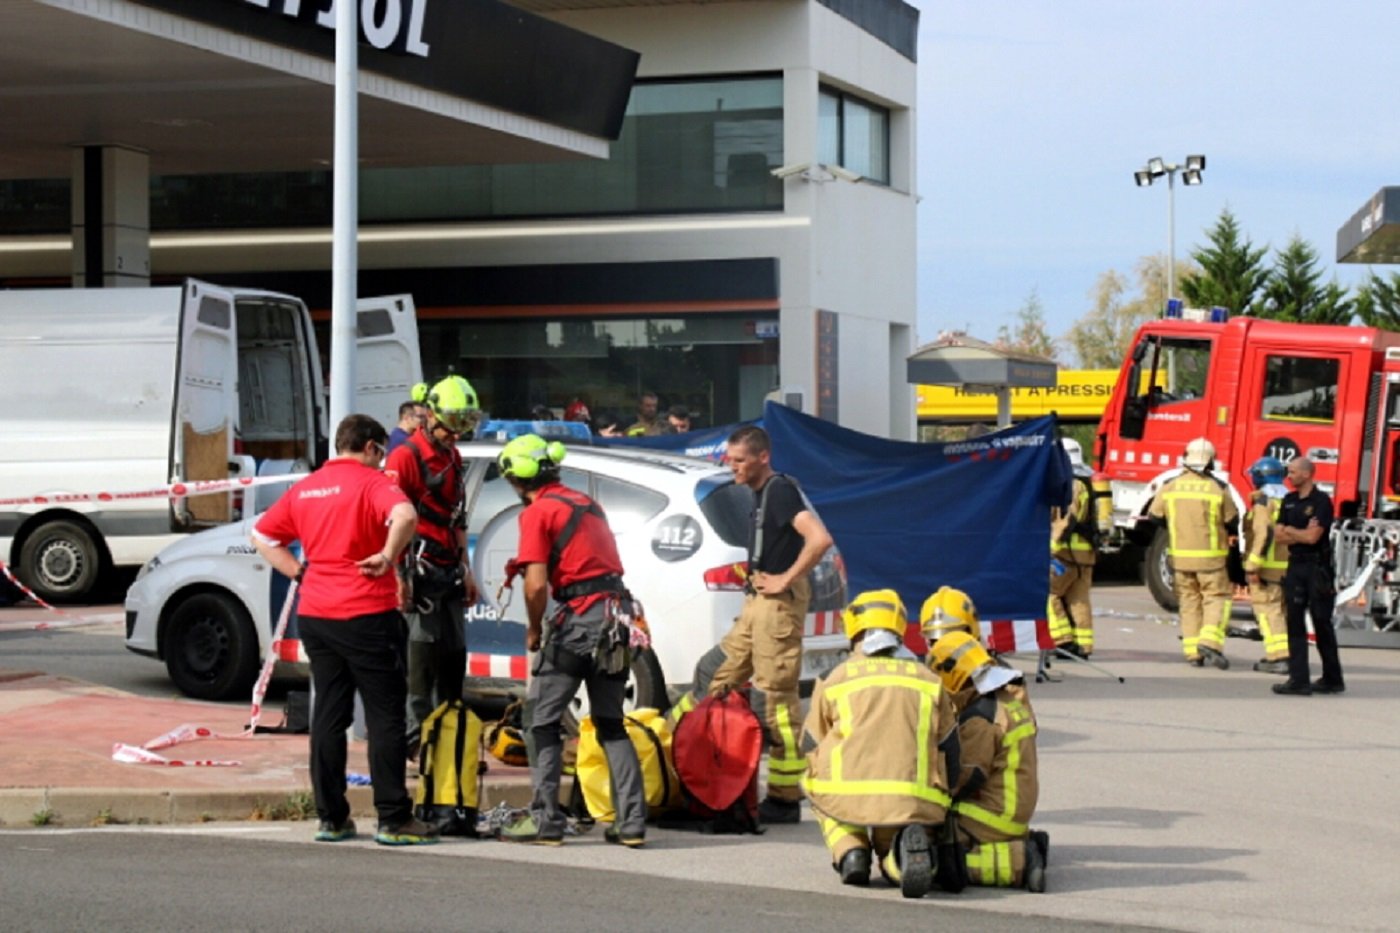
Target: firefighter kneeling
x=881 y=740
x=996 y=788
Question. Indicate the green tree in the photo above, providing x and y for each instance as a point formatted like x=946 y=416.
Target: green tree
x=1232 y=271
x=1292 y=291
x=1029 y=333
x=1378 y=302
x=1101 y=337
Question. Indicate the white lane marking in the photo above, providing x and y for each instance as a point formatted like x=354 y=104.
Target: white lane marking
x=202 y=830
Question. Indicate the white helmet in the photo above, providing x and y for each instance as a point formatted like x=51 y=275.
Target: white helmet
x=1200 y=454
x=1076 y=453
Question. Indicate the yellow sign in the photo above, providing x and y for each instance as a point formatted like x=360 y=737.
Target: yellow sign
x=1081 y=395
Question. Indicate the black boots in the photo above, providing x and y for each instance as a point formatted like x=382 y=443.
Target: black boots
x=1037 y=857
x=855 y=867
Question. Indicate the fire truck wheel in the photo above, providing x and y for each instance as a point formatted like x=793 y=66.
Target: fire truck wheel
x=1157 y=572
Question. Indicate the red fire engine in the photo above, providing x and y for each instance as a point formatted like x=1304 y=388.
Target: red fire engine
x=1265 y=388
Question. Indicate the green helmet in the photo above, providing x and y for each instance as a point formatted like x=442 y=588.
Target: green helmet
x=453 y=402
x=524 y=457
x=419 y=392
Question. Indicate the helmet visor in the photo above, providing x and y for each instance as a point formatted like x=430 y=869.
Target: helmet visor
x=460 y=420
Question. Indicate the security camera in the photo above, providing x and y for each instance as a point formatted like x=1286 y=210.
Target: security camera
x=787 y=171
x=844 y=174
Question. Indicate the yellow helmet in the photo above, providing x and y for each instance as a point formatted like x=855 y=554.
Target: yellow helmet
x=956 y=657
x=526 y=456
x=873 y=609
x=453 y=402
x=949 y=610
x=505 y=740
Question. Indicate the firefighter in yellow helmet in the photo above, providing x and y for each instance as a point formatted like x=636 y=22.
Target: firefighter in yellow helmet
x=1201 y=517
x=994 y=793
x=949 y=610
x=881 y=740
x=1072 y=530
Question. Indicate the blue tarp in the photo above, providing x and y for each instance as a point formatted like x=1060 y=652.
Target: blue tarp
x=911 y=517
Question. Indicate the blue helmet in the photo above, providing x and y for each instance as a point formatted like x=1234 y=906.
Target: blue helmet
x=1267 y=471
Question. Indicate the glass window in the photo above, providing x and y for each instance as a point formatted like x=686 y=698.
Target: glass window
x=497 y=495
x=853 y=133
x=627 y=504
x=1180 y=371
x=1302 y=389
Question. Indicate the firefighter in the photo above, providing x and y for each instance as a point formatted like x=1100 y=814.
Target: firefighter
x=1201 y=518
x=881 y=740
x=1072 y=534
x=428 y=469
x=948 y=610
x=997 y=786
x=1266 y=561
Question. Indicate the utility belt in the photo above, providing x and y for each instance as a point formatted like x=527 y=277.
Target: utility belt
x=623 y=629
x=607 y=583
x=435 y=574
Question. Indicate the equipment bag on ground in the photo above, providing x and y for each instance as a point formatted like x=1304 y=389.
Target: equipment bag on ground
x=449 y=770
x=717 y=748
x=650 y=733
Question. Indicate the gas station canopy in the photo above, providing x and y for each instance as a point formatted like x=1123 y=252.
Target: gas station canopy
x=975 y=365
x=1372 y=235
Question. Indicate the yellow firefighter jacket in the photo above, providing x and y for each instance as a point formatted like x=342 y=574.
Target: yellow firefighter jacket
x=1265 y=556
x=872 y=738
x=1197 y=508
x=998 y=785
x=1073 y=547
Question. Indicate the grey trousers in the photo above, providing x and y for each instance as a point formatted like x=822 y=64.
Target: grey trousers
x=549 y=694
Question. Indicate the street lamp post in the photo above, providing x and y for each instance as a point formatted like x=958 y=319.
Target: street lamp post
x=1190 y=175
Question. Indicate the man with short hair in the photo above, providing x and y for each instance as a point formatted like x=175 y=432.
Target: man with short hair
x=786 y=540
x=678 y=418
x=412 y=416
x=349 y=622
x=1304 y=522
x=647 y=423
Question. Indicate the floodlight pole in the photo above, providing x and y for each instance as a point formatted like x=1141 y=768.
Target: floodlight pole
x=1155 y=168
x=1171 y=231
x=345 y=215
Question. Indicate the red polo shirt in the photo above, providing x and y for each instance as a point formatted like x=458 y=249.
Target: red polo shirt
x=340 y=514
x=591 y=552
x=402 y=466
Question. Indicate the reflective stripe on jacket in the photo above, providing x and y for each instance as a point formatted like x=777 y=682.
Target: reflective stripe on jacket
x=872 y=737
x=997 y=737
x=1073 y=548
x=1197 y=509
x=1266 y=556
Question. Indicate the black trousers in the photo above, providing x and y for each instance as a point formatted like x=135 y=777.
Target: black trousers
x=365 y=653
x=1308 y=587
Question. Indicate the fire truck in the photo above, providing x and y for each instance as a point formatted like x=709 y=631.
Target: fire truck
x=1265 y=388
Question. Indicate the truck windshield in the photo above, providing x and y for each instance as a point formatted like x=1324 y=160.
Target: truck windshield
x=1174 y=370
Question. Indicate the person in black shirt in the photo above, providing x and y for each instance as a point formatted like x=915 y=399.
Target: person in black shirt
x=786 y=540
x=1305 y=520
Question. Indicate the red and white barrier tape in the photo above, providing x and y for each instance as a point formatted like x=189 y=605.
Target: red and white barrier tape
x=183 y=490
x=146 y=753
x=69 y=620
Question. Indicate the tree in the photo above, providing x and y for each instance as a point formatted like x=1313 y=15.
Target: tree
x=1378 y=302
x=1232 y=270
x=1101 y=337
x=1292 y=293
x=1029 y=334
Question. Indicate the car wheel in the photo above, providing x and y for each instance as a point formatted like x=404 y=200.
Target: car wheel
x=211 y=650
x=1157 y=572
x=61 y=561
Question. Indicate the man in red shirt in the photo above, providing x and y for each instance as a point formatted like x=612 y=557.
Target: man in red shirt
x=349 y=621
x=567 y=550
x=428 y=468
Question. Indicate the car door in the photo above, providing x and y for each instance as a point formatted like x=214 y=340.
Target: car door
x=205 y=410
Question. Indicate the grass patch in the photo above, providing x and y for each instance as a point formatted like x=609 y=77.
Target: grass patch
x=44 y=817
x=298 y=806
x=105 y=817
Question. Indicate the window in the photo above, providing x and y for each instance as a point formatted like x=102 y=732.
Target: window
x=853 y=133
x=1180 y=371
x=497 y=495
x=627 y=504
x=1302 y=389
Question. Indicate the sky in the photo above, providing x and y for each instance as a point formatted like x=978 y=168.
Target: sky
x=1033 y=115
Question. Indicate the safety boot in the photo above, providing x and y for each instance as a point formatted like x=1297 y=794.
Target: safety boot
x=1214 y=657
x=1272 y=667
x=772 y=810
x=912 y=862
x=855 y=867
x=1037 y=858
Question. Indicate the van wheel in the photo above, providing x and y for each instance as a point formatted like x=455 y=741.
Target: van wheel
x=1157 y=572
x=210 y=648
x=61 y=561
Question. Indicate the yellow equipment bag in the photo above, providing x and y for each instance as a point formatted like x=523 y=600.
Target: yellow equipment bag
x=449 y=770
x=650 y=733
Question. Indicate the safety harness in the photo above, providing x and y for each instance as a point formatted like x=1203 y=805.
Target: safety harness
x=607 y=583
x=435 y=507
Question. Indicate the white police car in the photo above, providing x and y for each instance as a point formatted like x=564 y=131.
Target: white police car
x=208 y=604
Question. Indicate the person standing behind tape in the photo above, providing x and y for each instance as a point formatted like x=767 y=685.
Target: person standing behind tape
x=349 y=621
x=1200 y=516
x=428 y=468
x=567 y=550
x=786 y=540
x=1070 y=611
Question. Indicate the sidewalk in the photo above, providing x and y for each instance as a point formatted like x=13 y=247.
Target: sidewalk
x=56 y=739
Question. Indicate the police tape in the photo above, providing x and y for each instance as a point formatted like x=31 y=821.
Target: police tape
x=69 y=619
x=145 y=754
x=177 y=490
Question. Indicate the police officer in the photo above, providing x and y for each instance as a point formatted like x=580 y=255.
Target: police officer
x=764 y=645
x=1072 y=531
x=1266 y=558
x=880 y=722
x=1200 y=516
x=996 y=791
x=568 y=551
x=428 y=468
x=1305 y=520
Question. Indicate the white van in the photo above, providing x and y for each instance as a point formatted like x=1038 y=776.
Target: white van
x=109 y=390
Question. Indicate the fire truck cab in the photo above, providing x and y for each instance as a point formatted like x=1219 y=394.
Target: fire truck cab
x=1255 y=388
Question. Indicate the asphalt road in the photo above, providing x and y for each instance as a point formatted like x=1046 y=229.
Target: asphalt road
x=241 y=878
